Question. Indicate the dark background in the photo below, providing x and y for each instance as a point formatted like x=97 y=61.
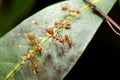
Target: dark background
x=101 y=59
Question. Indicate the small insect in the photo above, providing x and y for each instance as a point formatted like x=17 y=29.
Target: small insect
x=35 y=22
x=60 y=39
x=68 y=26
x=50 y=31
x=78 y=11
x=35 y=68
x=36 y=43
x=39 y=49
x=59 y=24
x=31 y=37
x=74 y=12
x=30 y=56
x=69 y=41
x=64 y=8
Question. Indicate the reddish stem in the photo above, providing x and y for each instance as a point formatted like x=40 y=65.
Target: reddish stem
x=103 y=14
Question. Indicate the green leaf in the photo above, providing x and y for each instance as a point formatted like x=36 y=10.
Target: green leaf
x=56 y=59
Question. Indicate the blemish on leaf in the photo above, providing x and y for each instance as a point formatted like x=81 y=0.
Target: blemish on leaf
x=35 y=22
x=19 y=46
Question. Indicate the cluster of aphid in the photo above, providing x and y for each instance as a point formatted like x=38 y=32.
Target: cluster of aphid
x=52 y=32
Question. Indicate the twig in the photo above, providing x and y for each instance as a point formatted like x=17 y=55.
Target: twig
x=112 y=28
x=103 y=14
x=13 y=71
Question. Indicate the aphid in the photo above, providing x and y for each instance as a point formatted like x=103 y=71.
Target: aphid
x=35 y=22
x=69 y=41
x=50 y=31
x=60 y=39
x=31 y=37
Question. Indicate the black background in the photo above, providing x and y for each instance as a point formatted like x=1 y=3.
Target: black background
x=101 y=58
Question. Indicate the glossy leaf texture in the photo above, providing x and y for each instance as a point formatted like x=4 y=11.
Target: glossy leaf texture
x=56 y=59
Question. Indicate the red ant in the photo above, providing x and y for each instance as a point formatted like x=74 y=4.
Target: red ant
x=71 y=12
x=30 y=56
x=78 y=11
x=74 y=12
x=67 y=25
x=31 y=37
x=59 y=24
x=39 y=49
x=50 y=31
x=64 y=8
x=69 y=41
x=35 y=68
x=59 y=39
